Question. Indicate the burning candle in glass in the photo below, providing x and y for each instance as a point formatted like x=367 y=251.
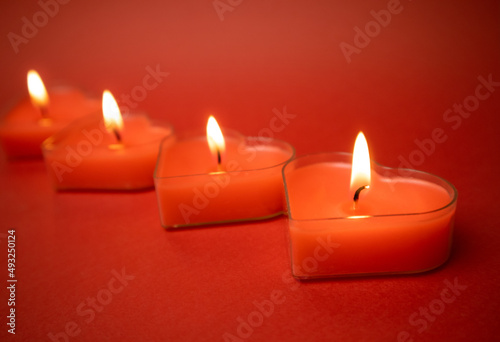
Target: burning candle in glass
x=109 y=152
x=219 y=177
x=31 y=121
x=348 y=217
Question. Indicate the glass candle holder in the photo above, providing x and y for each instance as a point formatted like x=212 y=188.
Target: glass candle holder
x=402 y=225
x=192 y=189
x=86 y=156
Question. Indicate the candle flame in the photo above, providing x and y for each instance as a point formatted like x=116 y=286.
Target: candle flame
x=361 y=172
x=215 y=138
x=37 y=90
x=111 y=112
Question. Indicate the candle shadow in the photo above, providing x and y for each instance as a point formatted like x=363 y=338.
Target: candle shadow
x=460 y=244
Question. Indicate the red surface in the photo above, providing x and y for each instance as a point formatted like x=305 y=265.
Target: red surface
x=199 y=284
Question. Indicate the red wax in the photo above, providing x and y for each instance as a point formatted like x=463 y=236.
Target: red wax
x=23 y=129
x=192 y=190
x=87 y=156
x=402 y=224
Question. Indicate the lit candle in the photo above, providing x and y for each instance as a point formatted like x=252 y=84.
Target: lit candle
x=349 y=218
x=219 y=178
x=31 y=121
x=105 y=153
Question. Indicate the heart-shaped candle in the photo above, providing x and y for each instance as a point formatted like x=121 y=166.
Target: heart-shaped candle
x=219 y=178
x=347 y=218
x=33 y=120
x=105 y=152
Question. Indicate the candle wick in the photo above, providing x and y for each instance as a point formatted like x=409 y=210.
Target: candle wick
x=219 y=160
x=44 y=111
x=117 y=135
x=356 y=194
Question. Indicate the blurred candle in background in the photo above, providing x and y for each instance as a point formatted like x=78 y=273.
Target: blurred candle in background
x=109 y=152
x=34 y=119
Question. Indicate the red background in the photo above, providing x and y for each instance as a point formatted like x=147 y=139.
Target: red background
x=197 y=284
